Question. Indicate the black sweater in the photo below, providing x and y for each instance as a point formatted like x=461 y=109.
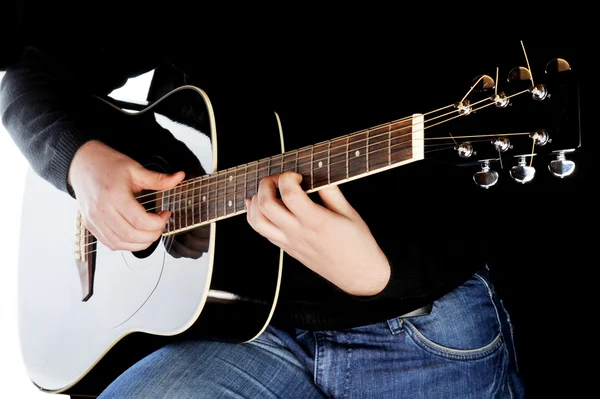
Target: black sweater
x=423 y=215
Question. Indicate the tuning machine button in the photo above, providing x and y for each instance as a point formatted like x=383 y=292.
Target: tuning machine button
x=541 y=137
x=502 y=144
x=464 y=150
x=501 y=100
x=486 y=177
x=561 y=167
x=464 y=107
x=539 y=92
x=521 y=173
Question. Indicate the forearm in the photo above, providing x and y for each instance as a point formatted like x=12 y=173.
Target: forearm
x=50 y=112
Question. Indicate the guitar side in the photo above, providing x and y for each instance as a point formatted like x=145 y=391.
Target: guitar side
x=139 y=301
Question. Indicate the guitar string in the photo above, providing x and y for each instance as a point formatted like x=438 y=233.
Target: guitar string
x=179 y=198
x=281 y=157
x=231 y=195
x=185 y=185
x=215 y=201
x=88 y=234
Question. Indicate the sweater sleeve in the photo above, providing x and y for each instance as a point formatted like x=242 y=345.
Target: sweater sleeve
x=47 y=102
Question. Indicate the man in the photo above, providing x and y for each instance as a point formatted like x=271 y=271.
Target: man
x=379 y=298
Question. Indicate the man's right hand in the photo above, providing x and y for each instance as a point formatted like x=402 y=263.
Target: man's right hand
x=104 y=181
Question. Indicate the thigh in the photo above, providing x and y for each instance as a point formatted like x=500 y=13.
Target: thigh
x=462 y=349
x=208 y=369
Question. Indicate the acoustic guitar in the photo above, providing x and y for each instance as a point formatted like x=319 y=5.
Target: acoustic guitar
x=86 y=313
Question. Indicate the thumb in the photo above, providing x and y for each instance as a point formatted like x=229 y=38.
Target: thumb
x=151 y=180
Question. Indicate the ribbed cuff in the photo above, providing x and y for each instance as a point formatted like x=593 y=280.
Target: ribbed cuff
x=70 y=141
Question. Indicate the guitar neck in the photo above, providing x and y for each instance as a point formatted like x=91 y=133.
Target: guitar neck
x=209 y=198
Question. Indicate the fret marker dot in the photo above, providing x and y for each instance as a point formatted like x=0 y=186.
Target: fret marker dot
x=320 y=164
x=189 y=202
x=203 y=198
x=230 y=203
x=357 y=153
x=230 y=178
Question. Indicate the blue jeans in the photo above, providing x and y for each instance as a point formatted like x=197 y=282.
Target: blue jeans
x=462 y=349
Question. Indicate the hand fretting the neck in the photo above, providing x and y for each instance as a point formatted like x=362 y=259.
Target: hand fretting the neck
x=213 y=197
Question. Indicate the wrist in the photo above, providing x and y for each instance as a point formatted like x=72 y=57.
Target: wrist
x=78 y=158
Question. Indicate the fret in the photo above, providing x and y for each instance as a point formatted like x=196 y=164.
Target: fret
x=192 y=204
x=203 y=200
x=166 y=200
x=389 y=145
x=229 y=202
x=401 y=141
x=178 y=207
x=186 y=192
x=264 y=167
x=338 y=155
x=290 y=162
x=240 y=189
x=367 y=149
x=275 y=165
x=378 y=148
x=221 y=205
x=303 y=166
x=211 y=197
x=312 y=156
x=320 y=164
x=329 y=162
x=347 y=156
x=357 y=149
x=251 y=179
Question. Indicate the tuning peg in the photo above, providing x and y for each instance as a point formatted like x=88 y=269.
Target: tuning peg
x=561 y=167
x=521 y=173
x=486 y=177
x=538 y=92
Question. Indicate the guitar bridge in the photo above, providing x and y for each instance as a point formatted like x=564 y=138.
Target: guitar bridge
x=85 y=257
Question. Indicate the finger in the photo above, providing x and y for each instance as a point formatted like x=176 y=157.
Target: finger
x=99 y=235
x=117 y=243
x=261 y=224
x=184 y=251
x=150 y=180
x=296 y=200
x=272 y=207
x=128 y=232
x=334 y=200
x=139 y=218
x=190 y=241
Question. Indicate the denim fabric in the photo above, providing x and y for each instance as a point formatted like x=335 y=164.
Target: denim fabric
x=462 y=349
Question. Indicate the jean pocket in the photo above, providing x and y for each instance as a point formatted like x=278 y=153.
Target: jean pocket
x=463 y=324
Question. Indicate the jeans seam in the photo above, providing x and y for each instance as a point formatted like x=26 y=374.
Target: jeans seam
x=458 y=354
x=491 y=295
x=317 y=357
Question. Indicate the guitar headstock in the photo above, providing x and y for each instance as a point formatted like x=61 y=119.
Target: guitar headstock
x=519 y=120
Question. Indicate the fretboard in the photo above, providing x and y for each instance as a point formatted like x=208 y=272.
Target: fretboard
x=220 y=195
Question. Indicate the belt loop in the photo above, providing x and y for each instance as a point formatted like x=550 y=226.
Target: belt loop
x=395 y=325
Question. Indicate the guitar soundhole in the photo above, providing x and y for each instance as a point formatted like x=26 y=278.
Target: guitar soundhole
x=146 y=252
